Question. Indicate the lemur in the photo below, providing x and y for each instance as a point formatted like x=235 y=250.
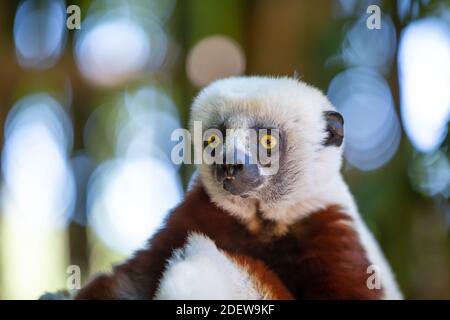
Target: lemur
x=299 y=226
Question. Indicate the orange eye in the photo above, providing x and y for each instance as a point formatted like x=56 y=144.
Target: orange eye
x=213 y=141
x=268 y=141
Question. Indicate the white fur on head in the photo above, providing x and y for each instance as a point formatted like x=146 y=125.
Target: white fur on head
x=294 y=107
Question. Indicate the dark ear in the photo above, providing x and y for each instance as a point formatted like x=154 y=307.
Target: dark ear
x=335 y=128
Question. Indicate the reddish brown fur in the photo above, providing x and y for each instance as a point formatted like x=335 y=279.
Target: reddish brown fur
x=319 y=258
x=265 y=280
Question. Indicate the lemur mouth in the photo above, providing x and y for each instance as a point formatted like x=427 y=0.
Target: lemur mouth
x=235 y=189
x=241 y=182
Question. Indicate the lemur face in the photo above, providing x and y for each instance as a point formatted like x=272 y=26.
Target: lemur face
x=246 y=152
x=268 y=138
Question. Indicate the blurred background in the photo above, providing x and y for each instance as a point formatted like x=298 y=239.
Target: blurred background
x=86 y=116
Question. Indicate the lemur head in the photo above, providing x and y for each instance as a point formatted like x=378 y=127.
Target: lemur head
x=279 y=140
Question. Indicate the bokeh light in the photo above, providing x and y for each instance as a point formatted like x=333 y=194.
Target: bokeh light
x=128 y=200
x=372 y=128
x=99 y=49
x=213 y=58
x=38 y=181
x=424 y=71
x=37 y=198
x=39 y=33
x=130 y=194
x=152 y=117
x=372 y=48
x=118 y=42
